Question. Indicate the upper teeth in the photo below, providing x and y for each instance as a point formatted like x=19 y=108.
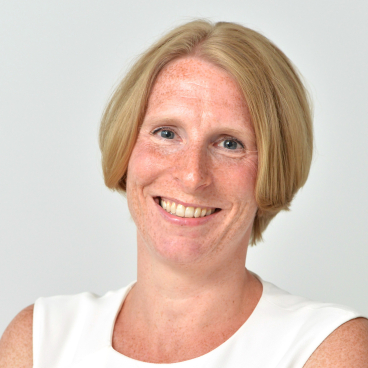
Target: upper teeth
x=181 y=211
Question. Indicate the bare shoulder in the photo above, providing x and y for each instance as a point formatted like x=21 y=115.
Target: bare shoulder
x=346 y=347
x=16 y=342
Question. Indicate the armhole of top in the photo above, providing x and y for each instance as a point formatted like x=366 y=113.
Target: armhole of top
x=320 y=338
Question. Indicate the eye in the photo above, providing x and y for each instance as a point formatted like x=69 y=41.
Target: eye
x=164 y=133
x=168 y=134
x=231 y=144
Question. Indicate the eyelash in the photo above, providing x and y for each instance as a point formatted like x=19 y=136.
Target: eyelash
x=162 y=128
x=232 y=139
x=229 y=138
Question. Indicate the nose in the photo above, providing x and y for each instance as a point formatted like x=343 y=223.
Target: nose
x=192 y=169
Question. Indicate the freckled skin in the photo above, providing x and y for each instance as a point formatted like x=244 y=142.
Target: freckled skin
x=183 y=304
x=16 y=342
x=201 y=102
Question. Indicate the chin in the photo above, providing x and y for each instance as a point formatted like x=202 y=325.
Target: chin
x=178 y=251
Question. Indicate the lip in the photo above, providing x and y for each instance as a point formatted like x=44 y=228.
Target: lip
x=184 y=221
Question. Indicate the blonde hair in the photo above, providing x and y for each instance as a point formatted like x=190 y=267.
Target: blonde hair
x=277 y=100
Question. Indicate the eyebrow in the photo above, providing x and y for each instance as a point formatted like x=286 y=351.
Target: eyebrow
x=165 y=121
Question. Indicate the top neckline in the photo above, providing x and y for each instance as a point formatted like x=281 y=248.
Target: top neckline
x=200 y=360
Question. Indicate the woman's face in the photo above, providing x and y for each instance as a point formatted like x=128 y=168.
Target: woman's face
x=197 y=149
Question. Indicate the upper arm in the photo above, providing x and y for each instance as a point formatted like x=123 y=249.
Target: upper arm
x=16 y=342
x=346 y=347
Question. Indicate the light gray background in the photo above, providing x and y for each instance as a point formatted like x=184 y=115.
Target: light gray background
x=62 y=232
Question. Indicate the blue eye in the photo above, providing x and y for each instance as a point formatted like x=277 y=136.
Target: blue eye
x=229 y=144
x=167 y=134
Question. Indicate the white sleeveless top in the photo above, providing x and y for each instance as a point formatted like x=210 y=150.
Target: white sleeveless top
x=282 y=332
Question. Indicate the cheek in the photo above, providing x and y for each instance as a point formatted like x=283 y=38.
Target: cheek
x=238 y=177
x=144 y=165
x=251 y=169
x=139 y=175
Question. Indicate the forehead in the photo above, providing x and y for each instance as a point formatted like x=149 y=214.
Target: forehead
x=196 y=81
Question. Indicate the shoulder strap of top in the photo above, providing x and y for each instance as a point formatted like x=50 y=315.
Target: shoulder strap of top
x=304 y=324
x=66 y=328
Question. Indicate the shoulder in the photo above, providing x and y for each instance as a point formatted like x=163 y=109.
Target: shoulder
x=16 y=342
x=347 y=346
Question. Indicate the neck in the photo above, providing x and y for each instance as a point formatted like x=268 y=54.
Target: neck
x=219 y=290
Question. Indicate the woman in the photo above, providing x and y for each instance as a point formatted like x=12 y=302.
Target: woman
x=210 y=136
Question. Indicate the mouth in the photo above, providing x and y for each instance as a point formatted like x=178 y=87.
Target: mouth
x=178 y=209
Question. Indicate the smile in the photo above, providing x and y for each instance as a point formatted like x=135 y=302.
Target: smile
x=182 y=211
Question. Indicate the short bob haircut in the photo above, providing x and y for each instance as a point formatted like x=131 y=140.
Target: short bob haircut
x=277 y=100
